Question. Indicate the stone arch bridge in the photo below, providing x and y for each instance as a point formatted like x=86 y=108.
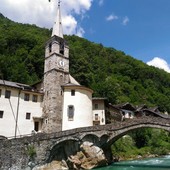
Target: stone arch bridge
x=17 y=153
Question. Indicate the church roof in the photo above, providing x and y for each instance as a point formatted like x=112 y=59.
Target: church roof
x=73 y=81
x=57 y=28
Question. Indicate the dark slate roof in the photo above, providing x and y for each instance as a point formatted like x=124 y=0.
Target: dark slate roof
x=157 y=113
x=99 y=98
x=21 y=86
x=126 y=106
x=14 y=84
x=114 y=107
x=141 y=107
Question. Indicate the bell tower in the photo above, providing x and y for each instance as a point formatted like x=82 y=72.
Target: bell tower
x=56 y=73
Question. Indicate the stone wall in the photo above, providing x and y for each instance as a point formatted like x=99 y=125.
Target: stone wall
x=40 y=149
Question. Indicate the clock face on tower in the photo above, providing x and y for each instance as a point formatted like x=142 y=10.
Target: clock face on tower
x=61 y=63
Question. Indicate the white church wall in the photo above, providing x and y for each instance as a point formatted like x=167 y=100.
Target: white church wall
x=82 y=103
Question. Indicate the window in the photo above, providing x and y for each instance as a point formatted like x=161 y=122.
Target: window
x=26 y=97
x=70 y=112
x=62 y=48
x=50 y=48
x=96 y=117
x=72 y=92
x=0 y=92
x=34 y=98
x=1 y=114
x=28 y=115
x=96 y=106
x=46 y=121
x=7 y=94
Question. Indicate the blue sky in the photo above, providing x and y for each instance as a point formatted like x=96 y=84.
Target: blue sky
x=140 y=28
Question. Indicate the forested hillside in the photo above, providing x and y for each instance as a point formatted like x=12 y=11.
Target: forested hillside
x=109 y=72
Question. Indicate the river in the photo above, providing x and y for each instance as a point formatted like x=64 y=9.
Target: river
x=162 y=163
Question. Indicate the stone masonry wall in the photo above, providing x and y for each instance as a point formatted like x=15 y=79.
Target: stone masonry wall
x=27 y=152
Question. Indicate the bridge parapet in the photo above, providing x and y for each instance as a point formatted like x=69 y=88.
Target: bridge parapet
x=47 y=145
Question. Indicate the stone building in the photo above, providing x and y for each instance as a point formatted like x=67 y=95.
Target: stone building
x=57 y=103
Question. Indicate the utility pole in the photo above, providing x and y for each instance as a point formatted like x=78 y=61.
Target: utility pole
x=16 y=121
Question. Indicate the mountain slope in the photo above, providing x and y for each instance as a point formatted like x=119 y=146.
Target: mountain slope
x=109 y=72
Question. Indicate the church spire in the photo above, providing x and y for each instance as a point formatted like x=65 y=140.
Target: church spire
x=57 y=28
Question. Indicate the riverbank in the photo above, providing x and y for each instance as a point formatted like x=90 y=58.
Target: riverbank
x=124 y=157
x=146 y=143
x=137 y=157
x=158 y=163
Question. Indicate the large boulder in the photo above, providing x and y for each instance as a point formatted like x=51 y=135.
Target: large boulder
x=89 y=157
x=54 y=165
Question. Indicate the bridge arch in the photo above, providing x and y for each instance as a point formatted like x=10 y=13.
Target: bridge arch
x=121 y=132
x=62 y=149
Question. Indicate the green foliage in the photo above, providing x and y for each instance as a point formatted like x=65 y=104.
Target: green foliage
x=109 y=72
x=143 y=142
x=124 y=147
x=120 y=78
x=31 y=151
x=141 y=137
x=21 y=51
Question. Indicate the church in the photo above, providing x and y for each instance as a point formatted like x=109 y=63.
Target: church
x=55 y=104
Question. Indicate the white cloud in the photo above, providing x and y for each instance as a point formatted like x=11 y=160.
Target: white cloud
x=80 y=31
x=125 y=20
x=101 y=2
x=160 y=63
x=42 y=13
x=77 y=6
x=69 y=24
x=115 y=17
x=112 y=17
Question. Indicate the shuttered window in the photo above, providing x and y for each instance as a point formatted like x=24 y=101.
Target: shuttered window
x=70 y=112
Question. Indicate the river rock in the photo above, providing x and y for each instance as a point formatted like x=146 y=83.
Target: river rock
x=54 y=165
x=89 y=157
